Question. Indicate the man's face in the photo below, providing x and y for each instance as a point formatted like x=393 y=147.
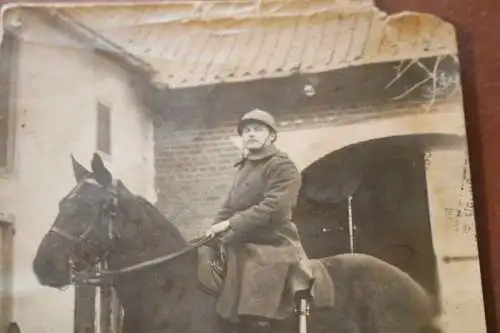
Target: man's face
x=254 y=135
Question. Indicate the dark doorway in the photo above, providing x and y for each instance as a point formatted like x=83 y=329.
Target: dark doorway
x=384 y=180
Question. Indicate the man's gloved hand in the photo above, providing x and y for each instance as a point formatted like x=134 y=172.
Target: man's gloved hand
x=218 y=228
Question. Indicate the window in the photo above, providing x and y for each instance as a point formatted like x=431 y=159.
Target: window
x=8 y=63
x=103 y=128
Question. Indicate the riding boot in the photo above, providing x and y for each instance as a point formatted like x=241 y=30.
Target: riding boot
x=262 y=327
x=256 y=326
x=224 y=326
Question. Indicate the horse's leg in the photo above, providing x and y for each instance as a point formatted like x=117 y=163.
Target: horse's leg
x=131 y=323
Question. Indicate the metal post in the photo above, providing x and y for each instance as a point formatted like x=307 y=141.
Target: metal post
x=351 y=226
x=84 y=311
x=105 y=306
x=116 y=313
x=303 y=311
x=303 y=308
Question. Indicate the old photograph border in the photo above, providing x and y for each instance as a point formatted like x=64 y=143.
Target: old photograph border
x=111 y=162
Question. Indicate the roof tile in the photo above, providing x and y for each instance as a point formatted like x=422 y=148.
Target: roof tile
x=278 y=56
x=345 y=37
x=215 y=69
x=316 y=33
x=298 y=45
x=242 y=36
x=250 y=51
x=268 y=48
x=327 y=47
x=360 y=34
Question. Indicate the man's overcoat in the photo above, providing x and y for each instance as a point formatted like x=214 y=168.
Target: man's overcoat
x=263 y=243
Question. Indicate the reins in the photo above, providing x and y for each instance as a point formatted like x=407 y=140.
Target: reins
x=97 y=277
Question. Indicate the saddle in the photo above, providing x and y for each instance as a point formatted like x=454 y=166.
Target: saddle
x=323 y=290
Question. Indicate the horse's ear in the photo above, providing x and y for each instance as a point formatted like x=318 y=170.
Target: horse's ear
x=79 y=170
x=101 y=174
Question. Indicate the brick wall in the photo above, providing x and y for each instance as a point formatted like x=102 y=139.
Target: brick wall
x=193 y=170
x=194 y=159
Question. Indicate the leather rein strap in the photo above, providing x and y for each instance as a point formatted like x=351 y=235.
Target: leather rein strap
x=96 y=278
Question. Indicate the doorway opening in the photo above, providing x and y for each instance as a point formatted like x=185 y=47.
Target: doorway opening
x=371 y=197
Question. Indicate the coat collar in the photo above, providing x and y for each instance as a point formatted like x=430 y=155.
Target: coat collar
x=266 y=152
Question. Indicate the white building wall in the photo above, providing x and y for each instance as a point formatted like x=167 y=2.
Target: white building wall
x=454 y=236
x=57 y=90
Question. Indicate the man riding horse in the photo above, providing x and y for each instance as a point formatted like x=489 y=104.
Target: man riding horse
x=101 y=219
x=265 y=263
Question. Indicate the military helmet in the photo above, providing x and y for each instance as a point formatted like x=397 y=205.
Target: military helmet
x=260 y=116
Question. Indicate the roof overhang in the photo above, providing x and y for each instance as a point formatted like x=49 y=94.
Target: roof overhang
x=81 y=35
x=212 y=42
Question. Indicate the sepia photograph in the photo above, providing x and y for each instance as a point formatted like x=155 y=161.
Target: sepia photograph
x=233 y=167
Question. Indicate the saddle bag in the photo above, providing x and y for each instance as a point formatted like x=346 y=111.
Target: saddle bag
x=212 y=264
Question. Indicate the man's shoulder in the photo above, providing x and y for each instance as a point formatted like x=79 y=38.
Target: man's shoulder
x=281 y=155
x=283 y=160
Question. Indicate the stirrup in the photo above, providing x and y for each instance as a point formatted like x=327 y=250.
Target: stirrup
x=303 y=307
x=261 y=323
x=257 y=322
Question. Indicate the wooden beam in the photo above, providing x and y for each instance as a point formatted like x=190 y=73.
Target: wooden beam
x=350 y=88
x=84 y=314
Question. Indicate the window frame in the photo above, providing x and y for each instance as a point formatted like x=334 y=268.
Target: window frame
x=102 y=102
x=7 y=169
x=7 y=240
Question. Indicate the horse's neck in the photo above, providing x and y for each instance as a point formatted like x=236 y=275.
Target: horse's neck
x=159 y=237
x=146 y=233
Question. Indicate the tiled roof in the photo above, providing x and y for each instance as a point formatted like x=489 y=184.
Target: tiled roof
x=192 y=43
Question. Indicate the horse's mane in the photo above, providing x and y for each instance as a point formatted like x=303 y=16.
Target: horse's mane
x=148 y=204
x=158 y=218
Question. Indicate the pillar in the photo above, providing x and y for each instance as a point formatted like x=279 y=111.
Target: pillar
x=454 y=239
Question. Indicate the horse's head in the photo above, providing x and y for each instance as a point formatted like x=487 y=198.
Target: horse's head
x=84 y=230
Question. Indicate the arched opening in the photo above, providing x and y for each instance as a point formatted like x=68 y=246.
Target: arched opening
x=371 y=197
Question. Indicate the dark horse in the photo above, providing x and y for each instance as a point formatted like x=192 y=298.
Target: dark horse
x=101 y=219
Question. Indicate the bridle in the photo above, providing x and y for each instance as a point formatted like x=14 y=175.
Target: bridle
x=109 y=211
x=82 y=238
